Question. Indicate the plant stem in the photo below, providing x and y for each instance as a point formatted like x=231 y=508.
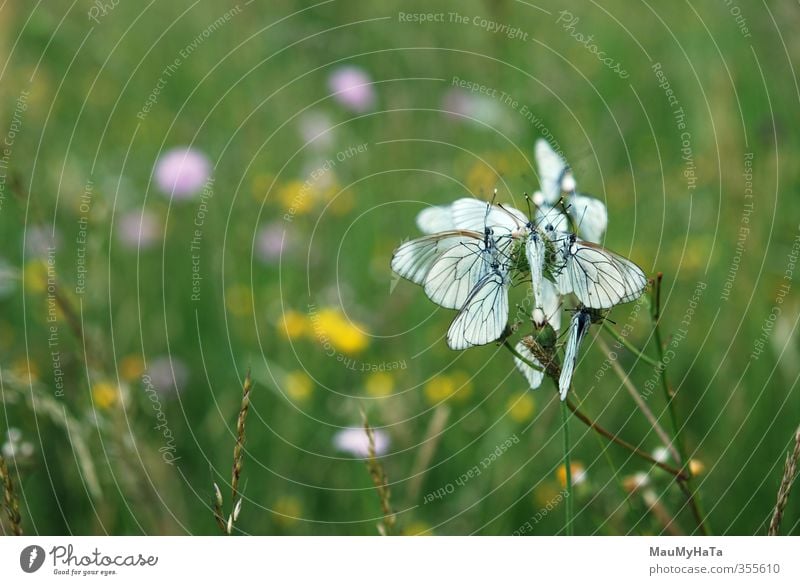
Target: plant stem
x=595 y=426
x=640 y=402
x=680 y=475
x=629 y=346
x=669 y=397
x=789 y=475
x=521 y=357
x=567 y=469
x=240 y=428
x=10 y=501
x=381 y=482
x=226 y=526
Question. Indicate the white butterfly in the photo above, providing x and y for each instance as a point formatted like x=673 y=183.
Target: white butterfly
x=468 y=213
x=588 y=213
x=532 y=375
x=475 y=214
x=463 y=269
x=450 y=264
x=484 y=316
x=590 y=216
x=551 y=216
x=435 y=219
x=553 y=169
x=477 y=281
x=598 y=277
x=413 y=259
x=578 y=328
x=547 y=301
x=549 y=310
x=536 y=250
x=454 y=275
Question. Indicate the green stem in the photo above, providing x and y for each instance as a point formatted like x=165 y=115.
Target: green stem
x=686 y=485
x=677 y=473
x=521 y=357
x=629 y=346
x=617 y=475
x=567 y=468
x=669 y=395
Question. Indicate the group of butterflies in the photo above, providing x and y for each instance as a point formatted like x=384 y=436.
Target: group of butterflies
x=472 y=250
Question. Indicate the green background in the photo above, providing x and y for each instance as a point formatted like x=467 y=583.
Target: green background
x=238 y=98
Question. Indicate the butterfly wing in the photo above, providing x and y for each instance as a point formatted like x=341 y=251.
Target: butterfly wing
x=578 y=328
x=475 y=214
x=413 y=259
x=435 y=219
x=485 y=313
x=452 y=277
x=590 y=215
x=635 y=280
x=551 y=168
x=550 y=311
x=535 y=251
x=558 y=266
x=599 y=277
x=551 y=216
x=533 y=376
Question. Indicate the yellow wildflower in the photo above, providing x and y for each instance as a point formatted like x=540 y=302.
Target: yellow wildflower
x=443 y=387
x=296 y=197
x=293 y=324
x=36 y=276
x=521 y=407
x=104 y=395
x=439 y=388
x=298 y=386
x=332 y=327
x=131 y=367
x=379 y=384
x=578 y=474
x=287 y=510
x=418 y=528
x=696 y=466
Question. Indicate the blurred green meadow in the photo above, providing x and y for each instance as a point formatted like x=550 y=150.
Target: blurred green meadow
x=124 y=346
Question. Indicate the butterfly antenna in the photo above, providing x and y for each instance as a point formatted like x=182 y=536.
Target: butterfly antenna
x=486 y=215
x=565 y=207
x=530 y=207
x=509 y=214
x=580 y=222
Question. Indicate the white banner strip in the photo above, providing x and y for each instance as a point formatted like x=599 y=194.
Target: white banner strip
x=400 y=560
